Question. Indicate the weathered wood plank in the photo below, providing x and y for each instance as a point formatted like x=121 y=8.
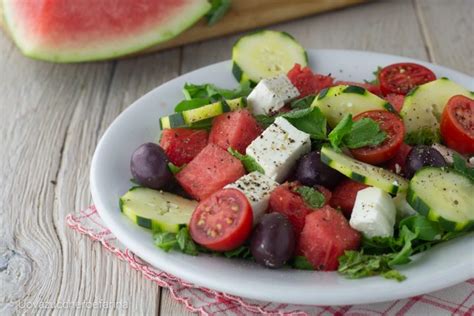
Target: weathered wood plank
x=448 y=27
x=109 y=280
x=373 y=26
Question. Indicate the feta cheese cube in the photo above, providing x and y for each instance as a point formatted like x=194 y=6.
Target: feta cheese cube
x=257 y=188
x=278 y=148
x=374 y=213
x=271 y=94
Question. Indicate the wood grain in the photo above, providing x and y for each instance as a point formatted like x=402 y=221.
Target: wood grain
x=53 y=115
x=448 y=27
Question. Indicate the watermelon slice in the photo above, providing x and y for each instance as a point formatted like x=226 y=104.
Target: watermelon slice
x=83 y=30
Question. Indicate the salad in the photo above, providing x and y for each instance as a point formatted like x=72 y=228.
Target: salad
x=296 y=169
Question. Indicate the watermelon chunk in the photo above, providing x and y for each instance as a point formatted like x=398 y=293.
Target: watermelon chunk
x=306 y=82
x=82 y=30
x=325 y=237
x=234 y=129
x=181 y=145
x=211 y=170
x=344 y=195
x=286 y=201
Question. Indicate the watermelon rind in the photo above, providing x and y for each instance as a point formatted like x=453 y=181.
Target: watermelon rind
x=188 y=16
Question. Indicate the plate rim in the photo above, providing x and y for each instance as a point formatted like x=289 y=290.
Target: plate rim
x=107 y=216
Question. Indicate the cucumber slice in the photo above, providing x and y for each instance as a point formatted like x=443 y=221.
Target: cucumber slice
x=157 y=210
x=423 y=107
x=266 y=54
x=336 y=102
x=362 y=172
x=189 y=117
x=444 y=196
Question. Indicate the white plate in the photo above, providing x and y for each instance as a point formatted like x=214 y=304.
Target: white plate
x=440 y=267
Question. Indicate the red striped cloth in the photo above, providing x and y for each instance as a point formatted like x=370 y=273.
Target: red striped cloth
x=456 y=300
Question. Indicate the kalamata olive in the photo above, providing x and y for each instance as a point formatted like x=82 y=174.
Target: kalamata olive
x=273 y=240
x=311 y=171
x=422 y=156
x=149 y=166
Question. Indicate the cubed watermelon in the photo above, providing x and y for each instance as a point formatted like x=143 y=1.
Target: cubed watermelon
x=325 y=237
x=344 y=195
x=181 y=145
x=286 y=201
x=306 y=82
x=209 y=171
x=234 y=129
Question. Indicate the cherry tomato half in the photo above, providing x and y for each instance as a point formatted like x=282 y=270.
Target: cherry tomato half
x=457 y=124
x=223 y=221
x=393 y=126
x=401 y=78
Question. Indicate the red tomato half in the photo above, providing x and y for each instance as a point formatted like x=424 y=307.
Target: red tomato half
x=402 y=77
x=393 y=126
x=223 y=221
x=457 y=124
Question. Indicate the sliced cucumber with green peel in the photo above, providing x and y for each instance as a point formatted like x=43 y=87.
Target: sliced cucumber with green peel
x=157 y=210
x=363 y=172
x=336 y=102
x=186 y=118
x=444 y=196
x=423 y=106
x=266 y=54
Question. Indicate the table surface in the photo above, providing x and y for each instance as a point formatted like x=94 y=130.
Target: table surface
x=53 y=115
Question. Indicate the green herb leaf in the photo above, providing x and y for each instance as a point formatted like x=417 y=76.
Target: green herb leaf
x=214 y=93
x=165 y=240
x=424 y=229
x=355 y=265
x=175 y=169
x=376 y=74
x=364 y=132
x=242 y=252
x=460 y=165
x=423 y=136
x=303 y=103
x=342 y=129
x=185 y=242
x=312 y=197
x=186 y=105
x=249 y=163
x=309 y=120
x=300 y=263
x=218 y=10
x=265 y=120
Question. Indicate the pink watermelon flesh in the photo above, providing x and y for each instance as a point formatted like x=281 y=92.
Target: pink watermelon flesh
x=82 y=30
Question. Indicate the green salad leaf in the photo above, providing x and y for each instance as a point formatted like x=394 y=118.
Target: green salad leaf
x=214 y=93
x=311 y=196
x=249 y=163
x=186 y=105
x=460 y=165
x=308 y=120
x=300 y=263
x=180 y=241
x=218 y=9
x=376 y=74
x=423 y=136
x=364 y=132
x=303 y=103
x=265 y=120
x=242 y=252
x=174 y=168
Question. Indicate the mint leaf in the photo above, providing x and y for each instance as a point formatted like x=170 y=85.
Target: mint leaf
x=249 y=163
x=312 y=197
x=265 y=120
x=300 y=263
x=423 y=136
x=303 y=103
x=218 y=9
x=165 y=240
x=242 y=252
x=175 y=169
x=214 y=93
x=424 y=229
x=186 y=105
x=460 y=165
x=185 y=242
x=364 y=132
x=309 y=120
x=342 y=129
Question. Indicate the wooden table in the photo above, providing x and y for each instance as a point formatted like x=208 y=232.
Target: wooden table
x=53 y=115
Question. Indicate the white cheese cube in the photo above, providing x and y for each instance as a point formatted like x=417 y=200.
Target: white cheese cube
x=257 y=188
x=271 y=94
x=403 y=208
x=278 y=148
x=374 y=213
